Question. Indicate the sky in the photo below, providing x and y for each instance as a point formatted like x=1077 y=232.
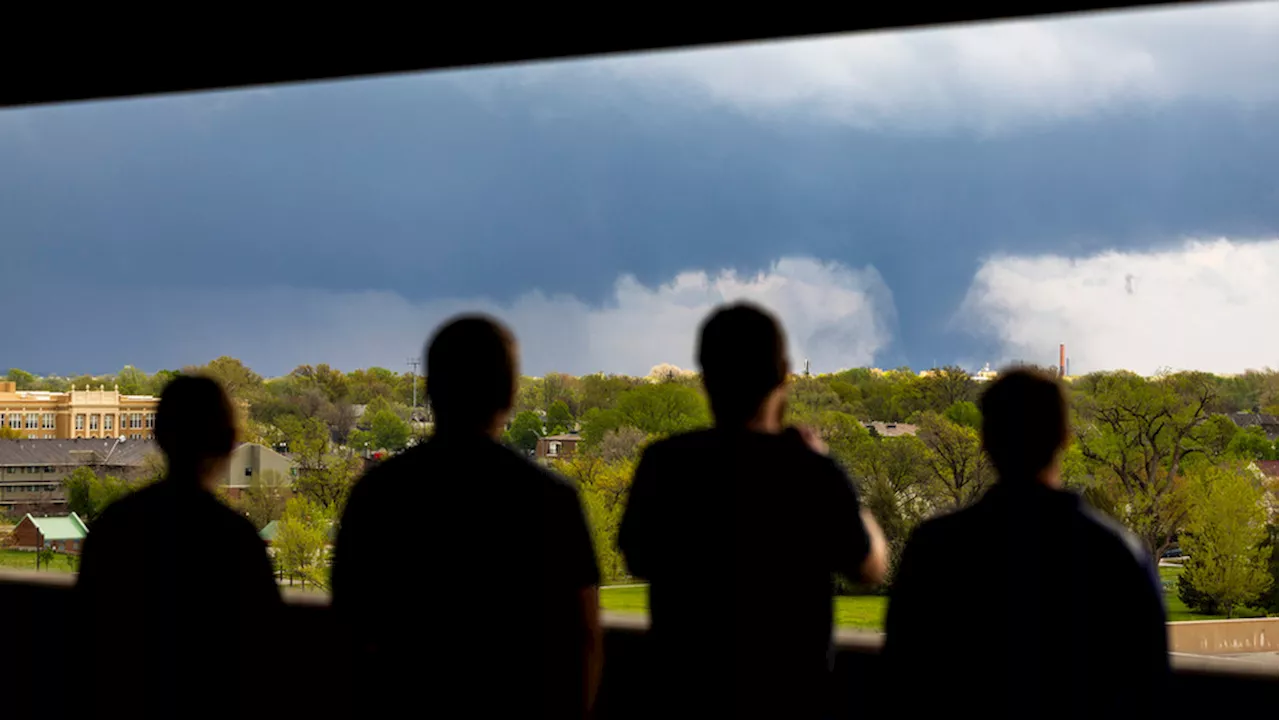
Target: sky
x=957 y=195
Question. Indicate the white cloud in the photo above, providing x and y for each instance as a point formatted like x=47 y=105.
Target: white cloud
x=1204 y=306
x=986 y=77
x=834 y=315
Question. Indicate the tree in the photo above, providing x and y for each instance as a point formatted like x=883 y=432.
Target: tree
x=964 y=413
x=237 y=379
x=559 y=419
x=365 y=385
x=601 y=392
x=955 y=457
x=1225 y=537
x=1251 y=444
x=525 y=430
x=664 y=408
x=1136 y=437
x=8 y=433
x=327 y=481
x=88 y=495
x=265 y=498
x=23 y=379
x=388 y=430
x=300 y=542
x=132 y=381
x=621 y=444
x=942 y=388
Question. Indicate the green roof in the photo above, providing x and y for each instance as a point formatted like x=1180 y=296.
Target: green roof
x=268 y=533
x=60 y=528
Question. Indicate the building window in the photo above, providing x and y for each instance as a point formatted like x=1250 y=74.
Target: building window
x=109 y=422
x=33 y=421
x=151 y=420
x=80 y=422
x=1 y=419
x=135 y=420
x=553 y=449
x=46 y=421
x=15 y=421
x=248 y=472
x=93 y=422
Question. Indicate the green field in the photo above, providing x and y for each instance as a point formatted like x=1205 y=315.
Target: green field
x=25 y=560
x=867 y=612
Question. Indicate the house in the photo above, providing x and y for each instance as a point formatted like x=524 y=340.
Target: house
x=250 y=462
x=1270 y=424
x=61 y=534
x=889 y=429
x=31 y=471
x=557 y=447
x=268 y=533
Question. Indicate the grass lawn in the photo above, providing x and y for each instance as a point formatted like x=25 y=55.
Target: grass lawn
x=867 y=612
x=24 y=560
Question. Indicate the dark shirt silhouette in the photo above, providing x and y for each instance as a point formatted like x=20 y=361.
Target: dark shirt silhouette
x=181 y=608
x=739 y=534
x=1027 y=604
x=458 y=570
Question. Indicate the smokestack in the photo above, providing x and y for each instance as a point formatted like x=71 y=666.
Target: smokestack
x=1062 y=360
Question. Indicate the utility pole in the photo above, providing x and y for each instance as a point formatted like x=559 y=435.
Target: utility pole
x=413 y=363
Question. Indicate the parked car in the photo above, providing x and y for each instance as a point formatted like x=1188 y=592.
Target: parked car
x=1172 y=552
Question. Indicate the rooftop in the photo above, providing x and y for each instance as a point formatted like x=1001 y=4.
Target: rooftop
x=69 y=527
x=106 y=451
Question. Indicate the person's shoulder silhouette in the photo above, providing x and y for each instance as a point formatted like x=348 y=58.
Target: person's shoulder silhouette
x=764 y=499
x=468 y=522
x=174 y=584
x=1028 y=593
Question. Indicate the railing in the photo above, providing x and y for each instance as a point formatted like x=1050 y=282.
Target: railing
x=41 y=638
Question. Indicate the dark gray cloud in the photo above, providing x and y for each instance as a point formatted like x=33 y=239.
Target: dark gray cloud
x=558 y=180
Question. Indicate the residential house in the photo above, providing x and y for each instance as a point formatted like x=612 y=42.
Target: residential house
x=31 y=471
x=1270 y=424
x=557 y=447
x=62 y=534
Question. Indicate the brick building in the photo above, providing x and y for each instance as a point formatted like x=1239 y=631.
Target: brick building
x=77 y=413
x=557 y=447
x=62 y=534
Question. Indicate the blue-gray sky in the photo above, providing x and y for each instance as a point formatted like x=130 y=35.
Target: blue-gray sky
x=973 y=194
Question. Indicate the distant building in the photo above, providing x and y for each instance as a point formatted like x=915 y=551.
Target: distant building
x=61 y=534
x=250 y=461
x=888 y=429
x=78 y=413
x=31 y=471
x=1270 y=424
x=986 y=374
x=557 y=447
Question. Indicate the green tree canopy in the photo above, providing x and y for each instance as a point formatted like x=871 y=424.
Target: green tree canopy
x=1225 y=538
x=526 y=428
x=964 y=413
x=559 y=418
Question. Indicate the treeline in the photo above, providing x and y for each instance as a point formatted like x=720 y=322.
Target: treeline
x=1162 y=455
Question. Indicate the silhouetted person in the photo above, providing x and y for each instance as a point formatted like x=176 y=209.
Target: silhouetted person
x=739 y=530
x=1028 y=603
x=180 y=599
x=464 y=572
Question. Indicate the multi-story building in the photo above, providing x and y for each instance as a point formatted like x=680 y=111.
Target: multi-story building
x=77 y=413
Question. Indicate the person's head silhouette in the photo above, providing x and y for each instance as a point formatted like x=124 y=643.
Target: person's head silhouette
x=195 y=428
x=1025 y=426
x=472 y=375
x=743 y=355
